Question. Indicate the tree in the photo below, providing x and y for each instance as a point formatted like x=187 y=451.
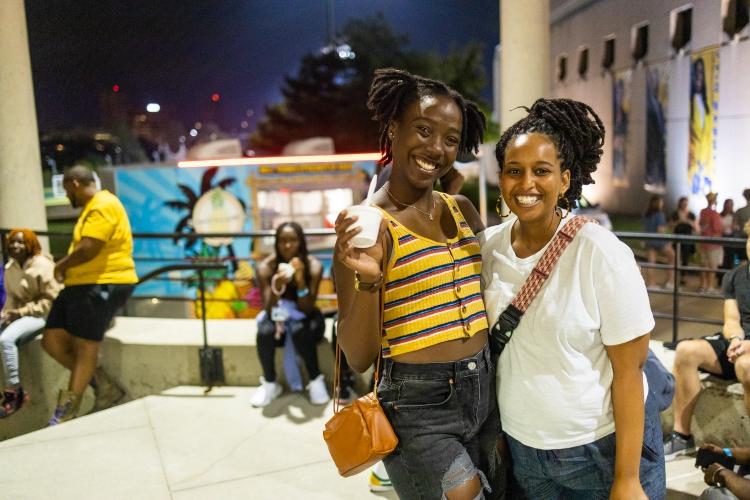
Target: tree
x=328 y=95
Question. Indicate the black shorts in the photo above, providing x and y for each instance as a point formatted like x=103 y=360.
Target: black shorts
x=720 y=345
x=86 y=311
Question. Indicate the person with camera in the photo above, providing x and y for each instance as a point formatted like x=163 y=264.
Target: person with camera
x=717 y=465
x=724 y=354
x=576 y=409
x=289 y=279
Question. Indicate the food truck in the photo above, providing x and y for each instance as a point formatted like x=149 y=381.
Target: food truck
x=228 y=196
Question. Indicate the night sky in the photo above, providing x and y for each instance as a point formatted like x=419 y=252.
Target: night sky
x=179 y=52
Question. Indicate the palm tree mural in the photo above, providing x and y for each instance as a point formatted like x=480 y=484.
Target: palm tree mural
x=203 y=201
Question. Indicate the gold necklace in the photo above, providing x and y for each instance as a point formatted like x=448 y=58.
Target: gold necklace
x=428 y=214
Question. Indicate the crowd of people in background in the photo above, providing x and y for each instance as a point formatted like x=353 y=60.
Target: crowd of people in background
x=712 y=258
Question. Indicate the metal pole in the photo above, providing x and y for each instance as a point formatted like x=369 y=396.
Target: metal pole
x=676 y=289
x=202 y=286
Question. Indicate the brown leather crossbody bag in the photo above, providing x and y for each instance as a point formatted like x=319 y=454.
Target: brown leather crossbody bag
x=359 y=435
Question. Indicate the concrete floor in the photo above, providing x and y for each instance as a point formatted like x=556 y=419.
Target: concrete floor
x=185 y=445
x=182 y=445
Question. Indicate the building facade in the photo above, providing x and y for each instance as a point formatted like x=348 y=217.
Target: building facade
x=671 y=81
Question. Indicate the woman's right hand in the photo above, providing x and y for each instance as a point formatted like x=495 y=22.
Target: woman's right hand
x=366 y=261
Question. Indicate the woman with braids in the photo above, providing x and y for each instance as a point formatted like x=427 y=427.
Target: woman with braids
x=438 y=383
x=570 y=384
x=289 y=280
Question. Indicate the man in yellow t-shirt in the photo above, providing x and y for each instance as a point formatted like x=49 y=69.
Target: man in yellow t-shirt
x=99 y=276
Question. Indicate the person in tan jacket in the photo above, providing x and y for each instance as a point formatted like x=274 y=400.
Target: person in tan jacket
x=31 y=287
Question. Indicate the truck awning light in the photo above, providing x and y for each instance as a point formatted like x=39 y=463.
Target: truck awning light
x=280 y=160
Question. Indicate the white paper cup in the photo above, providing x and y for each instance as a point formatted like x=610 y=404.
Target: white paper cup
x=286 y=269
x=368 y=218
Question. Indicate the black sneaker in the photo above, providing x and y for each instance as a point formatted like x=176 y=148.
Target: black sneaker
x=676 y=446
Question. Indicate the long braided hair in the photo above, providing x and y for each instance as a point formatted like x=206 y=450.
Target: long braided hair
x=575 y=130
x=393 y=90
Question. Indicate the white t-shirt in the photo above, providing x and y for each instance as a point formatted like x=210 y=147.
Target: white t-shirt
x=554 y=376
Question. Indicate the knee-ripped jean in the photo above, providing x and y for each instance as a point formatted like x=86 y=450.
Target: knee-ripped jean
x=448 y=425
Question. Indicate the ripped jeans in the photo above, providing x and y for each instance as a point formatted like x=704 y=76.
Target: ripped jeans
x=447 y=422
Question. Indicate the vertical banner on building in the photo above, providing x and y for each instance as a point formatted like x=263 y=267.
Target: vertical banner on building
x=656 y=128
x=704 y=107
x=621 y=90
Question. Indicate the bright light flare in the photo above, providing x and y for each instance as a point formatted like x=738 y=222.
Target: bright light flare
x=153 y=107
x=280 y=160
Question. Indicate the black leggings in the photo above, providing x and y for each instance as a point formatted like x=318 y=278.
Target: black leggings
x=305 y=334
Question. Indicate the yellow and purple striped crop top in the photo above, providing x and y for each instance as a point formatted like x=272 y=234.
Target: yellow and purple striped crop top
x=432 y=290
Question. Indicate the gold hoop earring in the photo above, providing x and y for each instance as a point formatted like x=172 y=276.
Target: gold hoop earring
x=498 y=209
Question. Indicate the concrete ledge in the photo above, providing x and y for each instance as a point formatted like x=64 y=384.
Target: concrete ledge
x=150 y=355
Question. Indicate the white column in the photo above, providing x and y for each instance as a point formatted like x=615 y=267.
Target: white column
x=21 y=188
x=525 y=62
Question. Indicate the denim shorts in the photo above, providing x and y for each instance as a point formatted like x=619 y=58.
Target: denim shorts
x=587 y=471
x=447 y=422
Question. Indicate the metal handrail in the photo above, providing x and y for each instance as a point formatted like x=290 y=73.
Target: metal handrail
x=197 y=266
x=677 y=239
x=678 y=268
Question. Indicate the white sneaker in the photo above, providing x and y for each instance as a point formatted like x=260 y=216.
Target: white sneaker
x=379 y=480
x=267 y=392
x=317 y=391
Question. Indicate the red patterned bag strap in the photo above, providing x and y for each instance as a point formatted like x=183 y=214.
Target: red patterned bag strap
x=544 y=267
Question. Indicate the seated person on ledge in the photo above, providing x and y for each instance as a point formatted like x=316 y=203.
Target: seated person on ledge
x=289 y=279
x=725 y=354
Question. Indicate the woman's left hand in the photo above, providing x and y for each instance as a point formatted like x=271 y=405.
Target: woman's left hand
x=627 y=489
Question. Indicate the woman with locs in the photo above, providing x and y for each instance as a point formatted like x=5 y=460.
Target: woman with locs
x=571 y=389
x=438 y=384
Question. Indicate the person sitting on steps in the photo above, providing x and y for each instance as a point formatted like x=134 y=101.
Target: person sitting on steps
x=31 y=286
x=289 y=280
x=725 y=354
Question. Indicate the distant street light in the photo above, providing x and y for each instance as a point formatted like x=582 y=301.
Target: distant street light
x=153 y=107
